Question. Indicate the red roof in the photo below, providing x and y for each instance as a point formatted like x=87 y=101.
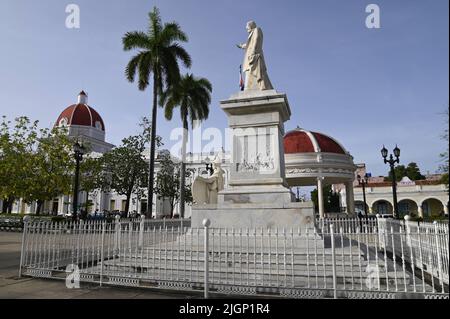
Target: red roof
x=81 y=114
x=327 y=144
x=299 y=141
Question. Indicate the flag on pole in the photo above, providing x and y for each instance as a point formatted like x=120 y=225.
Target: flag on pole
x=241 y=79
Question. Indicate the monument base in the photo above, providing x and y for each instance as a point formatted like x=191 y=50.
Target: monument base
x=287 y=215
x=257 y=195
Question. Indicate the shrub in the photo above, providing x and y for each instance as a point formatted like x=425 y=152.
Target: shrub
x=58 y=219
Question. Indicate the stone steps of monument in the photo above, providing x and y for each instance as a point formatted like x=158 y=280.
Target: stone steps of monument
x=197 y=264
x=251 y=258
x=256 y=275
x=244 y=249
x=181 y=264
x=281 y=282
x=237 y=242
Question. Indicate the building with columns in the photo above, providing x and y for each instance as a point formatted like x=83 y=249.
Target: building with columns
x=421 y=198
x=311 y=159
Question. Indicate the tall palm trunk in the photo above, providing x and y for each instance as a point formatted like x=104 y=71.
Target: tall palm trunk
x=152 y=147
x=183 y=166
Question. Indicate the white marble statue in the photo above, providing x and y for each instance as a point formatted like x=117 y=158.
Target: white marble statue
x=205 y=189
x=254 y=65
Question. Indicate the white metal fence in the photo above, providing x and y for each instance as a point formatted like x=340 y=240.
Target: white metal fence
x=344 y=261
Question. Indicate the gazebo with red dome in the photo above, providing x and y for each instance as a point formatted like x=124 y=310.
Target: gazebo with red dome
x=313 y=158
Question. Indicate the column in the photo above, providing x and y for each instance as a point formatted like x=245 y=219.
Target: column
x=446 y=209
x=420 y=210
x=350 y=197
x=320 y=197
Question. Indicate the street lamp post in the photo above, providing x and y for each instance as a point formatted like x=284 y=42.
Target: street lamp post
x=391 y=161
x=363 y=182
x=78 y=151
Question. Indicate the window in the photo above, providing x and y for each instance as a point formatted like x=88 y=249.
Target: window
x=382 y=208
x=143 y=206
x=403 y=208
x=112 y=205
x=63 y=122
x=98 y=125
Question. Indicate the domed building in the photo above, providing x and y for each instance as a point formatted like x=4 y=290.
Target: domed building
x=85 y=123
x=313 y=158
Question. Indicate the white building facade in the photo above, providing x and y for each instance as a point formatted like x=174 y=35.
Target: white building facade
x=421 y=198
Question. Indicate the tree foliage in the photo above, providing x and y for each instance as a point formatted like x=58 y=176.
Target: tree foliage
x=193 y=96
x=52 y=167
x=330 y=198
x=92 y=176
x=126 y=169
x=16 y=145
x=159 y=54
x=35 y=164
x=168 y=182
x=412 y=171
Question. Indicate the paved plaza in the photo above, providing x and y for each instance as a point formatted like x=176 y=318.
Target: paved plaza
x=12 y=287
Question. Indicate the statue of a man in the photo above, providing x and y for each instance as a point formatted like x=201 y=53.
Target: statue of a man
x=205 y=190
x=254 y=65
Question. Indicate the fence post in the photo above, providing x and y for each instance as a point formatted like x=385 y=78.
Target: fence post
x=117 y=231
x=333 y=258
x=141 y=231
x=24 y=234
x=438 y=248
x=206 y=224
x=408 y=234
x=102 y=253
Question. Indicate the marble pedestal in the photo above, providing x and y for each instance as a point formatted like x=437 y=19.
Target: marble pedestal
x=257 y=194
x=251 y=216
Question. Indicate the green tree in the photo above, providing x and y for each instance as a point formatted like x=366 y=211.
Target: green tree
x=412 y=171
x=168 y=183
x=330 y=199
x=35 y=164
x=16 y=147
x=51 y=172
x=125 y=167
x=92 y=177
x=159 y=53
x=193 y=96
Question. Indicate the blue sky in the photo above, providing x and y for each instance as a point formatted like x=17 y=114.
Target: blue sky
x=365 y=87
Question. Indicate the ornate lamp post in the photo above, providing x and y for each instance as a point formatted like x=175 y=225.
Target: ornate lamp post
x=78 y=151
x=391 y=161
x=363 y=182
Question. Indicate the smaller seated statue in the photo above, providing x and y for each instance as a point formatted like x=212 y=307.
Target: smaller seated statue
x=205 y=190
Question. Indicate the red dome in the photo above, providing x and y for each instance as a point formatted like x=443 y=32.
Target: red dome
x=302 y=141
x=81 y=114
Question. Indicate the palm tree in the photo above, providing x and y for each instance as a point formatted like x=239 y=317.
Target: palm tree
x=193 y=96
x=158 y=55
